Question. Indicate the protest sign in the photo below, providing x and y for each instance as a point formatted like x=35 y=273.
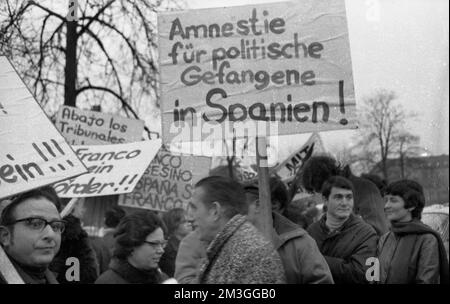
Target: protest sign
x=113 y=169
x=288 y=168
x=168 y=182
x=95 y=128
x=285 y=64
x=33 y=153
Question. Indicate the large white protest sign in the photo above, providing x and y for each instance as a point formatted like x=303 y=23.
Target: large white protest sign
x=95 y=128
x=288 y=168
x=32 y=152
x=113 y=169
x=285 y=64
x=168 y=182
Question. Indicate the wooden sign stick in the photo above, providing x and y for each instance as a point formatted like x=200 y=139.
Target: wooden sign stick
x=69 y=207
x=265 y=222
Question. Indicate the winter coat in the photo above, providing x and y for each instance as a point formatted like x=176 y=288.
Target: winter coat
x=303 y=263
x=190 y=254
x=75 y=243
x=239 y=254
x=347 y=249
x=167 y=261
x=122 y=272
x=369 y=204
x=412 y=253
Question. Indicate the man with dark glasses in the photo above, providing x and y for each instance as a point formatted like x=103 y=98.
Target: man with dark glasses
x=30 y=234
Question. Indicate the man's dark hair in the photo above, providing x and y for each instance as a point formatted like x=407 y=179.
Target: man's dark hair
x=113 y=217
x=132 y=231
x=317 y=170
x=173 y=218
x=227 y=192
x=412 y=194
x=336 y=182
x=46 y=192
x=278 y=191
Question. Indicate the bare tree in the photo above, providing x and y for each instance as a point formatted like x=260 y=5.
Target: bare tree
x=382 y=130
x=407 y=146
x=106 y=56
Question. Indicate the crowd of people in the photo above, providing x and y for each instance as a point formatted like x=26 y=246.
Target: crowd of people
x=217 y=239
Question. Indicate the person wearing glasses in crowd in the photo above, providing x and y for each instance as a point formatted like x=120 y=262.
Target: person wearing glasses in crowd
x=139 y=245
x=30 y=234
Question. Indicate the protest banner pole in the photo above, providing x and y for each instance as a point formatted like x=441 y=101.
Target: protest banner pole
x=265 y=208
x=69 y=207
x=7 y=270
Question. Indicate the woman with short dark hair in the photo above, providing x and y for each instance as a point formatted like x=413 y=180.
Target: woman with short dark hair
x=411 y=252
x=139 y=244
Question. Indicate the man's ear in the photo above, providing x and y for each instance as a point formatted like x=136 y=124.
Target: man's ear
x=5 y=236
x=215 y=210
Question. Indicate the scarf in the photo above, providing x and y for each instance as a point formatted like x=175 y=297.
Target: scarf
x=334 y=223
x=219 y=241
x=408 y=230
x=133 y=275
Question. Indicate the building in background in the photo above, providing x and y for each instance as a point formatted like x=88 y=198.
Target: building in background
x=432 y=172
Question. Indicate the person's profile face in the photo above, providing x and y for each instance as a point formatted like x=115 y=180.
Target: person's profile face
x=203 y=220
x=27 y=243
x=395 y=209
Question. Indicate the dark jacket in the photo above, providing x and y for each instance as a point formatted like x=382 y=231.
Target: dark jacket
x=190 y=254
x=412 y=253
x=75 y=243
x=102 y=253
x=167 y=261
x=369 y=204
x=346 y=249
x=303 y=263
x=122 y=272
x=239 y=254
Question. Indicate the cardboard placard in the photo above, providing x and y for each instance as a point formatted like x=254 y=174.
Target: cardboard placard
x=113 y=169
x=32 y=151
x=81 y=127
x=168 y=182
x=284 y=64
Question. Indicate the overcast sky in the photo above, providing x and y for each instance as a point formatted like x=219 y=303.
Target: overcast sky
x=400 y=45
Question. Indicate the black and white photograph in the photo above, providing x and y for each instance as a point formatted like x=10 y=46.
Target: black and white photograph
x=224 y=148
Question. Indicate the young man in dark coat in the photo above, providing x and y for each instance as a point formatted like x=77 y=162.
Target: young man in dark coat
x=368 y=202
x=344 y=239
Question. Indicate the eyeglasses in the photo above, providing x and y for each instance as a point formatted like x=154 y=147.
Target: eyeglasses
x=156 y=244
x=38 y=224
